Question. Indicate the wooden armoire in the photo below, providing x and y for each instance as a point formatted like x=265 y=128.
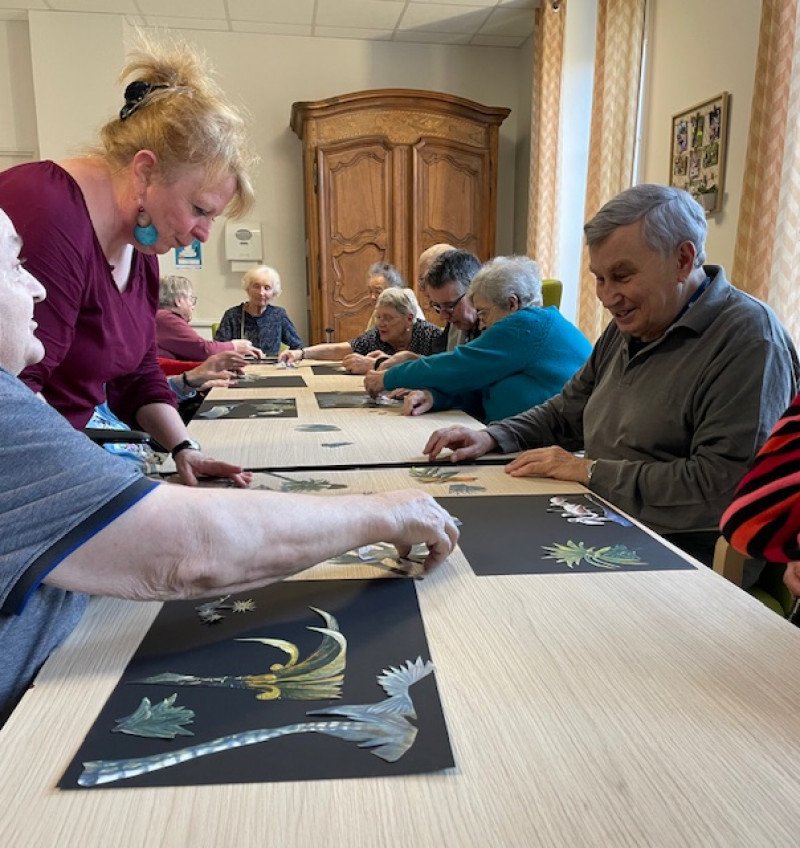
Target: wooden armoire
x=386 y=174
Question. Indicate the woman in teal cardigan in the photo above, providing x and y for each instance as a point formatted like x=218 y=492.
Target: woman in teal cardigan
x=524 y=356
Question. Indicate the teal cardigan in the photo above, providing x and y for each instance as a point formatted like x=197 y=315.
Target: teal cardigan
x=519 y=362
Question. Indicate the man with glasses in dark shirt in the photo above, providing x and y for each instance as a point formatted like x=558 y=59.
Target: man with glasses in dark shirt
x=446 y=285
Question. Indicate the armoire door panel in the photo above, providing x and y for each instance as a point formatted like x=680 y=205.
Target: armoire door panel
x=355 y=193
x=450 y=184
x=349 y=171
x=352 y=307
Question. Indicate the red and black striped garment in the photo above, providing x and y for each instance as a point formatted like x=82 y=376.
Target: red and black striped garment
x=764 y=519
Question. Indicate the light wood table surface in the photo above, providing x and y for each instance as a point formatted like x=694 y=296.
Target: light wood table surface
x=615 y=709
x=373 y=436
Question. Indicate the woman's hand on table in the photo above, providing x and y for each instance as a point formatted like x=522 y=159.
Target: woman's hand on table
x=228 y=360
x=192 y=464
x=218 y=371
x=373 y=382
x=415 y=401
x=357 y=363
x=245 y=347
x=420 y=520
x=552 y=462
x=290 y=356
x=464 y=442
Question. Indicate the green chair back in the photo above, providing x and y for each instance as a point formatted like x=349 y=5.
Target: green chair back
x=551 y=293
x=214 y=328
x=769 y=588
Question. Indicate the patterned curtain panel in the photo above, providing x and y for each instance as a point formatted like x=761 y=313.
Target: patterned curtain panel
x=767 y=253
x=612 y=141
x=543 y=190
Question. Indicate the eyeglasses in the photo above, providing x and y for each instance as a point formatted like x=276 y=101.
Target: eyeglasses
x=446 y=308
x=192 y=298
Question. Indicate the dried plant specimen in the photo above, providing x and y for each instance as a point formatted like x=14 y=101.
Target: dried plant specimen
x=307 y=485
x=382 y=727
x=162 y=721
x=609 y=556
x=211 y=612
x=465 y=489
x=577 y=513
x=214 y=412
x=434 y=474
x=317 y=677
x=384 y=556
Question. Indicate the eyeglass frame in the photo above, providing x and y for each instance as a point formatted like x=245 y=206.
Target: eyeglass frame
x=441 y=309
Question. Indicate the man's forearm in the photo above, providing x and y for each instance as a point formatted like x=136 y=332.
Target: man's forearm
x=183 y=543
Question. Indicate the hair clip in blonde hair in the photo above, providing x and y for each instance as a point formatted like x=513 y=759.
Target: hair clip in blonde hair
x=135 y=94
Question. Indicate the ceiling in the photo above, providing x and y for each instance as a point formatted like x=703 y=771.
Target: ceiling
x=489 y=23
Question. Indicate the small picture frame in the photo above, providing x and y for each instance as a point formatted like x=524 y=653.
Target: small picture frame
x=697 y=151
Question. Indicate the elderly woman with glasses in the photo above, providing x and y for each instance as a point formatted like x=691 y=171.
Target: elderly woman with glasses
x=523 y=357
x=396 y=328
x=382 y=276
x=175 y=337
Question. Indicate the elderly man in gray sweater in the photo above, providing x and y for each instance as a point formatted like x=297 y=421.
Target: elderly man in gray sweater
x=680 y=391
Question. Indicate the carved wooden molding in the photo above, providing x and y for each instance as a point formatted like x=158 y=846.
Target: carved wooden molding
x=401 y=127
x=404 y=115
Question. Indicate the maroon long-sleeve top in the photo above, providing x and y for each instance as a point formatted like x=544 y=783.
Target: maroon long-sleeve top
x=99 y=342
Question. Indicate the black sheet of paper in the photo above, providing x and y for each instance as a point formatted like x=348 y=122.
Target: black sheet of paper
x=383 y=626
x=354 y=400
x=279 y=381
x=332 y=371
x=250 y=408
x=511 y=534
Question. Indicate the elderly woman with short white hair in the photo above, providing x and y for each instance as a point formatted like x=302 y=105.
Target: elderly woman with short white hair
x=175 y=337
x=396 y=328
x=266 y=326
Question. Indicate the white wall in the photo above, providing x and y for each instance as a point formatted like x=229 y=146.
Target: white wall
x=76 y=59
x=18 y=139
x=697 y=50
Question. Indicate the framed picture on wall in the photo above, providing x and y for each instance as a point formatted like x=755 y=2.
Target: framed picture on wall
x=697 y=151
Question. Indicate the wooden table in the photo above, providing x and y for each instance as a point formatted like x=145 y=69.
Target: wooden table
x=614 y=709
x=363 y=437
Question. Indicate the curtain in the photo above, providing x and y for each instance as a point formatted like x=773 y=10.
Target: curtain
x=543 y=189
x=767 y=252
x=612 y=140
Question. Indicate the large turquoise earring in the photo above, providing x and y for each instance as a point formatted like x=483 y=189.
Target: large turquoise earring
x=144 y=232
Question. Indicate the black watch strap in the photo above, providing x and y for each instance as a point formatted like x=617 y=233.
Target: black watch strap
x=186 y=444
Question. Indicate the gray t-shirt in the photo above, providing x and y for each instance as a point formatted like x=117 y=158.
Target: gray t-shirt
x=57 y=489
